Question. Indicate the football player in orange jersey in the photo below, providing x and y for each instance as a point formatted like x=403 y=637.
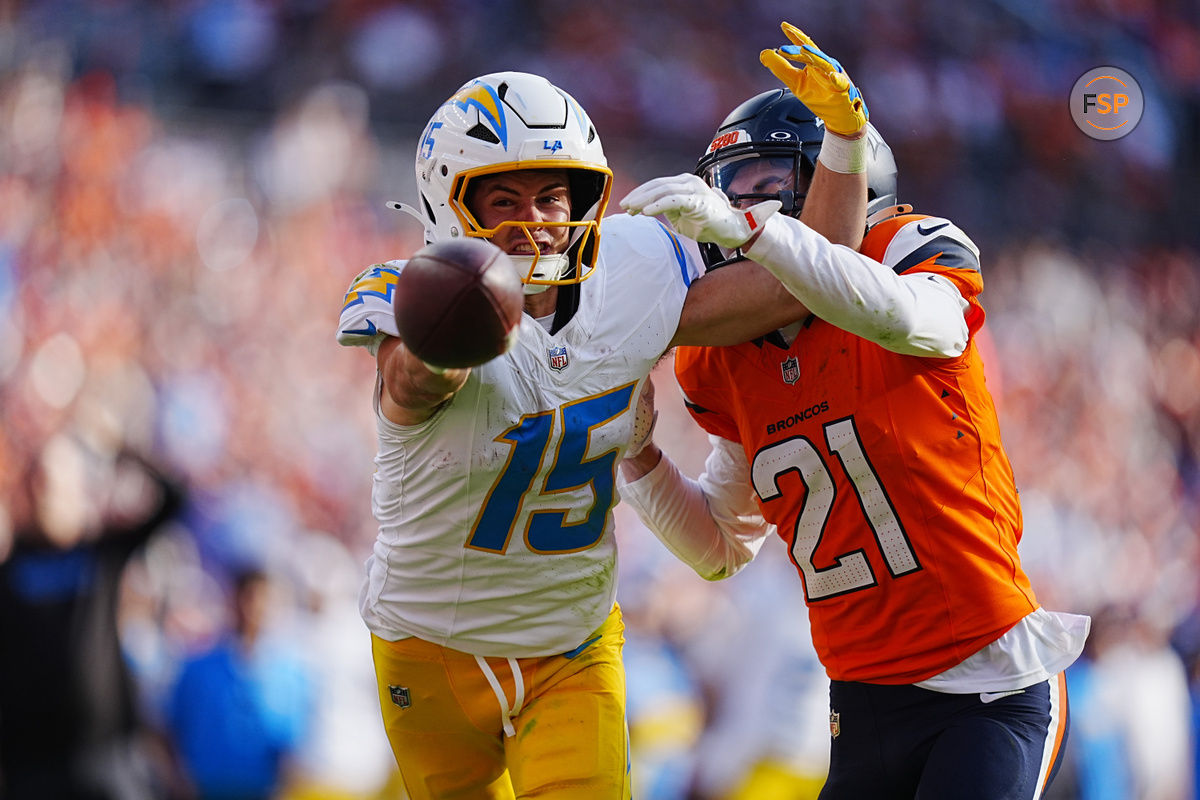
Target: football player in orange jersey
x=865 y=435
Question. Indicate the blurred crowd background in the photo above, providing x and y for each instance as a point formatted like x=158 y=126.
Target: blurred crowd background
x=188 y=187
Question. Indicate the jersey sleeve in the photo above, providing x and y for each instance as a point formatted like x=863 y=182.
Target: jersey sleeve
x=367 y=314
x=912 y=243
x=644 y=243
x=648 y=271
x=700 y=375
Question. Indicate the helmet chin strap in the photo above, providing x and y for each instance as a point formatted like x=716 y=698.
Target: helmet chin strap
x=550 y=267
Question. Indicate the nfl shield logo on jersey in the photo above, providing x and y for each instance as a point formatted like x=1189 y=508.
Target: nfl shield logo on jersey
x=558 y=358
x=400 y=696
x=791 y=370
x=835 y=723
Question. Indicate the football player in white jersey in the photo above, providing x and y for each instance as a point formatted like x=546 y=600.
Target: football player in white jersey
x=490 y=593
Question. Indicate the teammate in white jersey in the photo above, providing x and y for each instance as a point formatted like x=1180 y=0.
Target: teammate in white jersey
x=490 y=594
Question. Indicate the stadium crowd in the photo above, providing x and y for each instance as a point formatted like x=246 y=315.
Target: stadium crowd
x=186 y=190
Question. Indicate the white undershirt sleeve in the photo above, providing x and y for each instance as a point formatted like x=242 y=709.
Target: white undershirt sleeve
x=918 y=314
x=712 y=524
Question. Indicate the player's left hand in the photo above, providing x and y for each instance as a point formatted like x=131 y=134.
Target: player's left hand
x=699 y=211
x=819 y=82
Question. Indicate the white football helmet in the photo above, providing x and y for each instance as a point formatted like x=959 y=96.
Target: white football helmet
x=509 y=121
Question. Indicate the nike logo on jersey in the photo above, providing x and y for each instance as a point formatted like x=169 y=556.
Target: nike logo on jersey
x=990 y=697
x=370 y=330
x=921 y=229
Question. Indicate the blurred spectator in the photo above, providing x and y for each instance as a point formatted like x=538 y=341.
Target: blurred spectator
x=346 y=756
x=1131 y=715
x=70 y=726
x=665 y=704
x=185 y=189
x=240 y=710
x=767 y=735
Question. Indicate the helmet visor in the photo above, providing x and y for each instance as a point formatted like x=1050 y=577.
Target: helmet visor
x=751 y=178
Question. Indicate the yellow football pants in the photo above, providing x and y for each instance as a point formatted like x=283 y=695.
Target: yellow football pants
x=447 y=727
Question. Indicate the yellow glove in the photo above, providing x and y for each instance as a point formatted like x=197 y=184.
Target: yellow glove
x=819 y=82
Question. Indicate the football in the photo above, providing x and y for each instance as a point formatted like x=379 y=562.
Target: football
x=458 y=302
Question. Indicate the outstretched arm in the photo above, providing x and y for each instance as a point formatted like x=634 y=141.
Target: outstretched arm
x=917 y=313
x=712 y=524
x=815 y=258
x=742 y=301
x=413 y=390
x=836 y=205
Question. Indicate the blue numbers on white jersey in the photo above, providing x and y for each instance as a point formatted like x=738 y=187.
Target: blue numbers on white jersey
x=547 y=529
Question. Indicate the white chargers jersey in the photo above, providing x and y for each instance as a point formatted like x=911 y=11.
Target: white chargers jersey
x=495 y=524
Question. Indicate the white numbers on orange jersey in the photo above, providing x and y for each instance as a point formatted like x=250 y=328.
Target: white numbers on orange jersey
x=850 y=571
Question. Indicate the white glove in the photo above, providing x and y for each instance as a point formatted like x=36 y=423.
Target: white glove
x=699 y=211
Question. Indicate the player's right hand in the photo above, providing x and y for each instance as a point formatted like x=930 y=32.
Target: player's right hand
x=698 y=211
x=818 y=81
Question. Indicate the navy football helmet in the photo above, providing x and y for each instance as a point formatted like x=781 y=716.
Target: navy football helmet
x=766 y=149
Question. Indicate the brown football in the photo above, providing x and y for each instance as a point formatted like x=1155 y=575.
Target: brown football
x=457 y=302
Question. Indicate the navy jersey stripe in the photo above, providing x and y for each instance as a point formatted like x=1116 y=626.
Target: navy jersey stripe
x=949 y=251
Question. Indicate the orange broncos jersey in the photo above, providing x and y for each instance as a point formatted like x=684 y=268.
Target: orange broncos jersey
x=884 y=473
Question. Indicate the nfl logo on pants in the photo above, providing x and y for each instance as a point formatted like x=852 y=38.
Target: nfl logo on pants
x=400 y=696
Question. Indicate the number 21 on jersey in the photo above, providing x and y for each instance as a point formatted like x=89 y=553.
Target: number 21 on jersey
x=851 y=571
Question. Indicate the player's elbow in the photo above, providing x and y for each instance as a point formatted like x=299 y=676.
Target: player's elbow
x=725 y=560
x=722 y=572
x=912 y=328
x=944 y=341
x=713 y=575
